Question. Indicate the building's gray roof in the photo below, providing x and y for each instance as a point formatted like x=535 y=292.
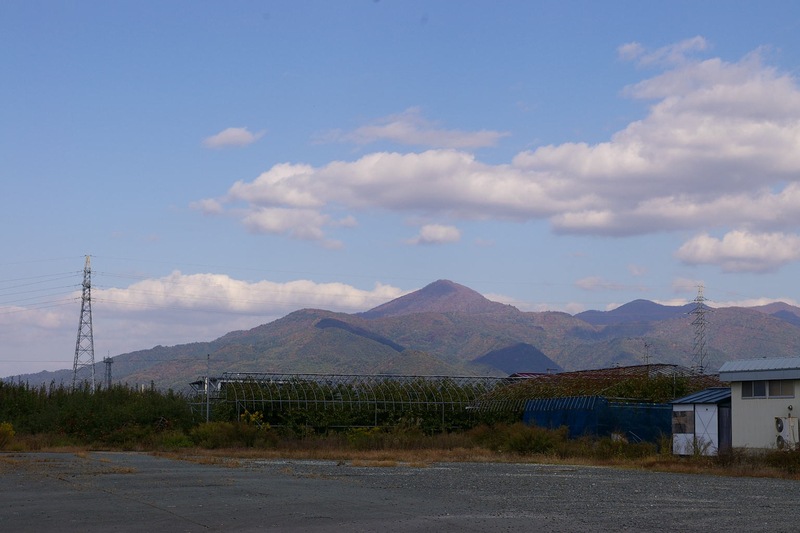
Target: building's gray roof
x=712 y=395
x=753 y=369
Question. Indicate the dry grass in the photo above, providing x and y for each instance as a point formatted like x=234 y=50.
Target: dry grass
x=458 y=455
x=423 y=453
x=200 y=458
x=383 y=464
x=123 y=470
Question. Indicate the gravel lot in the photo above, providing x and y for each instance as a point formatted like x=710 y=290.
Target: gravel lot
x=138 y=492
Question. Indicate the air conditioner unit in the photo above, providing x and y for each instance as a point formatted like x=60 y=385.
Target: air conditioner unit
x=786 y=432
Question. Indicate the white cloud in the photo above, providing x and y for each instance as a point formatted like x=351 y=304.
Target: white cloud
x=221 y=293
x=174 y=309
x=208 y=206
x=232 y=137
x=718 y=149
x=630 y=51
x=673 y=54
x=409 y=127
x=754 y=302
x=332 y=244
x=484 y=242
x=676 y=302
x=637 y=270
x=683 y=285
x=435 y=234
x=303 y=224
x=347 y=222
x=536 y=307
x=598 y=283
x=742 y=251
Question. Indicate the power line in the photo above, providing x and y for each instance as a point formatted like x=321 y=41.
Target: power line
x=34 y=298
x=38 y=290
x=29 y=361
x=51 y=304
x=65 y=274
x=41 y=260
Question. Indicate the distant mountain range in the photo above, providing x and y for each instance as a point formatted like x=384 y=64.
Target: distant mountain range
x=635 y=311
x=448 y=329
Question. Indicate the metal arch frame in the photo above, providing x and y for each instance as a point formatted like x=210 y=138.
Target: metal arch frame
x=271 y=391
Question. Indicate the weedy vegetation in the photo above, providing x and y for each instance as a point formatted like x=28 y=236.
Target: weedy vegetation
x=57 y=418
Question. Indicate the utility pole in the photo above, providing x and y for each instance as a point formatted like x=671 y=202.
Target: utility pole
x=208 y=387
x=700 y=350
x=84 y=346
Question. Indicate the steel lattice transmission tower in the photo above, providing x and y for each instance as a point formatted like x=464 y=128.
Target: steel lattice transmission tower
x=84 y=346
x=108 y=361
x=700 y=350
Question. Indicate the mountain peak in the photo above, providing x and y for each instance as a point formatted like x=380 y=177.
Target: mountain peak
x=441 y=296
x=636 y=311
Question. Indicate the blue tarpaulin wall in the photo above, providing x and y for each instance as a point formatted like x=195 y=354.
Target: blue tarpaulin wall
x=595 y=415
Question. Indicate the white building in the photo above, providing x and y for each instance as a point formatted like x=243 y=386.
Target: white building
x=764 y=395
x=701 y=422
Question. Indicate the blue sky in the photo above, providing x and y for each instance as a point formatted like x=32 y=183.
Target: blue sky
x=227 y=163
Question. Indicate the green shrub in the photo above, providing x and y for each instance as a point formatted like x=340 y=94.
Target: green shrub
x=129 y=437
x=173 y=439
x=231 y=435
x=520 y=438
x=615 y=448
x=6 y=434
x=786 y=460
x=363 y=438
x=212 y=434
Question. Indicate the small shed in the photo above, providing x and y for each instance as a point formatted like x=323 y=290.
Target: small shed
x=701 y=422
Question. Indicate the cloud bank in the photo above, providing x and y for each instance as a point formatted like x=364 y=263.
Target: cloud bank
x=174 y=309
x=409 y=127
x=719 y=151
x=436 y=234
x=238 y=137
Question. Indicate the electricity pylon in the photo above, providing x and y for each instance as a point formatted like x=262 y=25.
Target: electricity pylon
x=84 y=346
x=108 y=361
x=699 y=350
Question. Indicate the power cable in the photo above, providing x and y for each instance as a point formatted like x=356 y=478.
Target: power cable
x=26 y=309
x=42 y=260
x=34 y=298
x=65 y=274
x=39 y=290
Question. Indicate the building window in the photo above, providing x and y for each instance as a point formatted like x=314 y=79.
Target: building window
x=754 y=389
x=778 y=388
x=682 y=422
x=781 y=388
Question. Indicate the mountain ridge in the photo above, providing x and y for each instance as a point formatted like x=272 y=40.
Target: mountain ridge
x=440 y=296
x=451 y=329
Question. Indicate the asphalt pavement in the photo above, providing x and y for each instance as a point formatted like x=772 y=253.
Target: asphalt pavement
x=102 y=491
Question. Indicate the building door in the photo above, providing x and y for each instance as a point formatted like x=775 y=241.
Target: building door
x=725 y=432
